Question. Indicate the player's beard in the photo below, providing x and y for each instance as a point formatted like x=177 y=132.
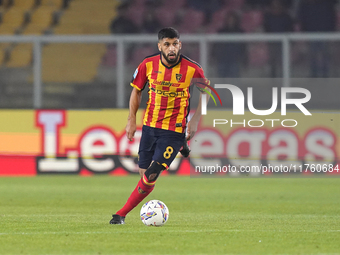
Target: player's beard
x=171 y=61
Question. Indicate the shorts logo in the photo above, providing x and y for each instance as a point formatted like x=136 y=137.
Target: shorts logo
x=178 y=76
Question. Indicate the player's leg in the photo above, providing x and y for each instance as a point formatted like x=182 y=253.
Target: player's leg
x=144 y=187
x=168 y=145
x=129 y=205
x=164 y=149
x=141 y=172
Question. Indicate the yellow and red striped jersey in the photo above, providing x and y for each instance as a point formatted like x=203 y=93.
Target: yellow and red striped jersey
x=168 y=104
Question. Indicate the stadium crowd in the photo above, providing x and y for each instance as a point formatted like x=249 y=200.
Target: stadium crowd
x=236 y=16
x=93 y=64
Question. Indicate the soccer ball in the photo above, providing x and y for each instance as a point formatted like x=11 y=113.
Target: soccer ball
x=154 y=213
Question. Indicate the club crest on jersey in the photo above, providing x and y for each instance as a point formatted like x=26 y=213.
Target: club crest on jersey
x=178 y=76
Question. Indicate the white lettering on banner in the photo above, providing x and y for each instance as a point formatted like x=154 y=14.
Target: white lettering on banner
x=320 y=146
x=253 y=140
x=284 y=148
x=207 y=142
x=97 y=142
x=99 y=149
x=50 y=122
x=279 y=147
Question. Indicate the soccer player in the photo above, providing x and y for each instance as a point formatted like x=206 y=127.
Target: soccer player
x=168 y=76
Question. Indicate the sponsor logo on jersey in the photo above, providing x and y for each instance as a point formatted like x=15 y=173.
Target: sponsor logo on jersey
x=168 y=93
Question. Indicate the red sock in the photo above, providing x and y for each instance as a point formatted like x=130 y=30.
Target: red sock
x=144 y=188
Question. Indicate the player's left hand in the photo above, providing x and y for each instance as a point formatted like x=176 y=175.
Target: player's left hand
x=191 y=129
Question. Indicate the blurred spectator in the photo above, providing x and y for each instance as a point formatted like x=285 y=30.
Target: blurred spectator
x=229 y=56
x=264 y=3
x=276 y=20
x=257 y=3
x=208 y=7
x=151 y=24
x=318 y=16
x=122 y=24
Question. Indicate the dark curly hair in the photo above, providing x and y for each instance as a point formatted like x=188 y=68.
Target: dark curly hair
x=168 y=32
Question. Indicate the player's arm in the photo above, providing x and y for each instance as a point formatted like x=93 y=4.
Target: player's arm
x=138 y=83
x=135 y=99
x=193 y=123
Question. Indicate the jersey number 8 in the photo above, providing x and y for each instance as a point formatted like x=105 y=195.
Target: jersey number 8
x=168 y=152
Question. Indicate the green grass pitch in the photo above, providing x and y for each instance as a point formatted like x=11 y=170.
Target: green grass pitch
x=70 y=215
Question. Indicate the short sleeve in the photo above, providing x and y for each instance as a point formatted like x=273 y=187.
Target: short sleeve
x=139 y=78
x=199 y=74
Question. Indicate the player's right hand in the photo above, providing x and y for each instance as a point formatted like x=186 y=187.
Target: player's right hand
x=131 y=129
x=185 y=151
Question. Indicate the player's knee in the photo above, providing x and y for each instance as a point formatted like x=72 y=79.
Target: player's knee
x=154 y=170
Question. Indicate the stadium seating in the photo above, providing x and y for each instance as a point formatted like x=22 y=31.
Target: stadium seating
x=24 y=4
x=21 y=55
x=27 y=18
x=8 y=29
x=3 y=50
x=22 y=17
x=41 y=18
x=5 y=3
x=71 y=62
x=86 y=17
x=52 y=3
x=76 y=18
x=14 y=16
x=78 y=63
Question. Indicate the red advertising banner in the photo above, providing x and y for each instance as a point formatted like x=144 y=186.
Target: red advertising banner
x=70 y=142
x=94 y=142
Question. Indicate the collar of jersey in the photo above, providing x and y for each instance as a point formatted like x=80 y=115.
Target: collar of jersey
x=169 y=67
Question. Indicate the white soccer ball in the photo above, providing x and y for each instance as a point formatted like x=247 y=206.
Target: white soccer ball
x=154 y=213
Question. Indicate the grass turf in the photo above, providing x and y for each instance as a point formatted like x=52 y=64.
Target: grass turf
x=70 y=215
